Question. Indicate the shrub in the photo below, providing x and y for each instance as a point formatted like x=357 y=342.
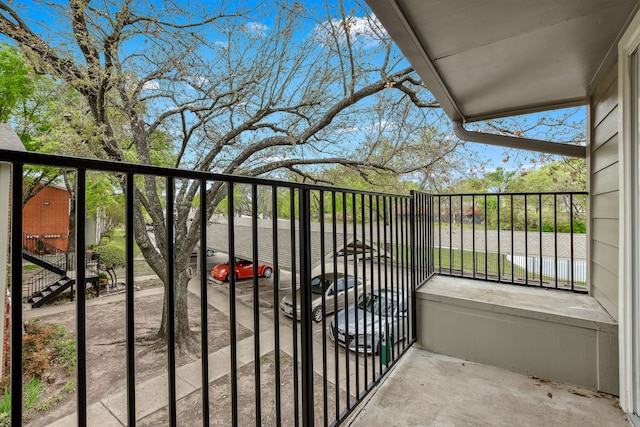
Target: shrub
x=111 y=256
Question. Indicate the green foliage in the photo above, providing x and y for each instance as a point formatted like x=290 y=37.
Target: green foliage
x=111 y=256
x=36 y=343
x=5 y=404
x=32 y=391
x=31 y=394
x=69 y=387
x=15 y=82
x=66 y=355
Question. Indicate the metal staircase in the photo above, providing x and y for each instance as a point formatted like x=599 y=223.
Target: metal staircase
x=58 y=270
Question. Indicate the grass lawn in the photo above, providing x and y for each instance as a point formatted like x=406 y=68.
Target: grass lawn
x=487 y=264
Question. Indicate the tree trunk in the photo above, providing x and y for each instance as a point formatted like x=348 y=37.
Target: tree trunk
x=183 y=334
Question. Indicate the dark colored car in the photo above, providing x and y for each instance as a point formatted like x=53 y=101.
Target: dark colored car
x=329 y=285
x=363 y=326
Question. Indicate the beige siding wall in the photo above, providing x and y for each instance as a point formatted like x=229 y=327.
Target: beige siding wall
x=604 y=190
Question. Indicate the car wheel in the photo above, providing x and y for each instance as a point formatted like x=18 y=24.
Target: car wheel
x=210 y=252
x=318 y=314
x=267 y=272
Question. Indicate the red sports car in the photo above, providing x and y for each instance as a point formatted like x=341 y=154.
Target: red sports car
x=244 y=270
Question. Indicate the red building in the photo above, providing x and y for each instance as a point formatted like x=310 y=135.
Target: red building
x=46 y=218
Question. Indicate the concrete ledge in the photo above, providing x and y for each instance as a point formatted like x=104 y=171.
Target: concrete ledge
x=551 y=334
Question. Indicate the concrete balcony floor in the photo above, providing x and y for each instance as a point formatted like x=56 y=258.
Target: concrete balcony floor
x=427 y=389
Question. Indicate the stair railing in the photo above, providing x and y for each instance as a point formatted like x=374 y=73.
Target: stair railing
x=45 y=251
x=40 y=281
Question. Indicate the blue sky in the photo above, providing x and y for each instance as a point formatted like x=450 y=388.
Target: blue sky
x=492 y=157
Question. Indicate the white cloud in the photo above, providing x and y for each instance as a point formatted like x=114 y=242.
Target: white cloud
x=366 y=30
x=256 y=28
x=274 y=159
x=151 y=85
x=374 y=126
x=200 y=80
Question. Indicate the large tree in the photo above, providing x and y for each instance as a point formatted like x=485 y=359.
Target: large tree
x=237 y=90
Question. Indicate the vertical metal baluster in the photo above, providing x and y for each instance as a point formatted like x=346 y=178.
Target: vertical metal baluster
x=473 y=234
x=486 y=239
x=572 y=237
x=323 y=249
x=171 y=309
x=130 y=309
x=540 y=229
x=395 y=242
x=451 y=255
x=526 y=242
x=439 y=234
x=276 y=302
x=346 y=301
x=555 y=236
x=373 y=357
x=16 y=293
x=392 y=256
x=294 y=285
x=498 y=231
x=334 y=232
x=354 y=219
x=386 y=270
x=402 y=267
x=81 y=298
x=380 y=247
x=204 y=305
x=431 y=224
x=305 y=306
x=364 y=282
x=256 y=304
x=513 y=252
x=461 y=236
x=233 y=317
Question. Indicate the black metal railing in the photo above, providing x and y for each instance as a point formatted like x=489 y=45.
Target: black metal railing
x=55 y=262
x=534 y=239
x=39 y=282
x=298 y=367
x=319 y=371
x=52 y=256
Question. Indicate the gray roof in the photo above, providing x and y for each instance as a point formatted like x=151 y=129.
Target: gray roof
x=9 y=140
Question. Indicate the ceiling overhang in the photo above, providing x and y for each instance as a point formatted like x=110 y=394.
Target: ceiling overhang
x=488 y=59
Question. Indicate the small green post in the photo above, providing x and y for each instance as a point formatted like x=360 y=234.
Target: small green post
x=386 y=346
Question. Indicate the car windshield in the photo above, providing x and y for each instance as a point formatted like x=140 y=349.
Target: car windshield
x=319 y=285
x=374 y=304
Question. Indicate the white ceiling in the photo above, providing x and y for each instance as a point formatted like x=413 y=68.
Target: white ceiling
x=484 y=59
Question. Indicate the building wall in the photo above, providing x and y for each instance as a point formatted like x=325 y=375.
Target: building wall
x=46 y=215
x=604 y=191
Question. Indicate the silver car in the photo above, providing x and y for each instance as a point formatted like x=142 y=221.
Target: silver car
x=330 y=284
x=363 y=326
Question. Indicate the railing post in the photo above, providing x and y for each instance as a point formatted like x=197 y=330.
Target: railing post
x=305 y=308
x=16 y=294
x=414 y=258
x=81 y=288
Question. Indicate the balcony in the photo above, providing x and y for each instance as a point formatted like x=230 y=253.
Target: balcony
x=264 y=368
